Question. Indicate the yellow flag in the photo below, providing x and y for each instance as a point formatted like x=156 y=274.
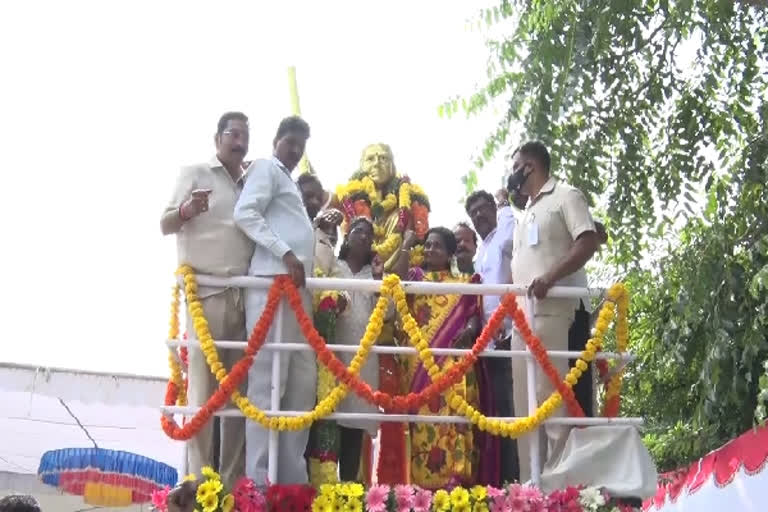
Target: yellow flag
x=296 y=111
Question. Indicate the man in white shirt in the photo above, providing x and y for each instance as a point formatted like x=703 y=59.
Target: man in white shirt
x=493 y=259
x=207 y=239
x=554 y=239
x=270 y=212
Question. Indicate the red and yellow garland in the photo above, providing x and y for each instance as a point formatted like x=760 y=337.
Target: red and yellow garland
x=442 y=380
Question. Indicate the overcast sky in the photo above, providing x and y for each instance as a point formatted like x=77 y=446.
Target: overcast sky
x=103 y=101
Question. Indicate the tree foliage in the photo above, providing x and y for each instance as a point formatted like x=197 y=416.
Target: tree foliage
x=700 y=323
x=628 y=94
x=657 y=110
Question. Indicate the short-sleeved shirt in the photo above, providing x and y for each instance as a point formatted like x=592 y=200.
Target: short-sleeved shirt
x=210 y=242
x=559 y=214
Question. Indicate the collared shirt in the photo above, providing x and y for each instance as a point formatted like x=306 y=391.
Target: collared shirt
x=494 y=257
x=544 y=236
x=325 y=259
x=271 y=212
x=210 y=242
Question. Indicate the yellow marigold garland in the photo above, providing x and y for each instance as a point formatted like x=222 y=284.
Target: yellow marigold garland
x=173 y=334
x=325 y=406
x=459 y=404
x=618 y=294
x=390 y=287
x=388 y=247
x=403 y=199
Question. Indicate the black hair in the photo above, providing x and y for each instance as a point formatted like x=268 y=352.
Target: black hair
x=227 y=117
x=19 y=503
x=307 y=178
x=478 y=194
x=344 y=249
x=292 y=124
x=449 y=239
x=538 y=151
x=466 y=225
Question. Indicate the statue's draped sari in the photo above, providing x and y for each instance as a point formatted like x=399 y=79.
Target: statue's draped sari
x=444 y=454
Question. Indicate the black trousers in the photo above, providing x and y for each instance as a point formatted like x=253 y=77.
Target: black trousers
x=500 y=370
x=578 y=336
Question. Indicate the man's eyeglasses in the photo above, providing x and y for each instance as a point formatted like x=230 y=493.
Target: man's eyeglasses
x=236 y=134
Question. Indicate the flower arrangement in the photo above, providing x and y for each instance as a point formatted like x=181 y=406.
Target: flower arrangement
x=359 y=197
x=512 y=498
x=353 y=497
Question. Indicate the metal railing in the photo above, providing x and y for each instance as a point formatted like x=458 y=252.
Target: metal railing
x=280 y=346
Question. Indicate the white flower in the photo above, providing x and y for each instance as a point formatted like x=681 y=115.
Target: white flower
x=591 y=498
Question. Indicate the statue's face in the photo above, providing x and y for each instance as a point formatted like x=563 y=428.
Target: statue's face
x=377 y=163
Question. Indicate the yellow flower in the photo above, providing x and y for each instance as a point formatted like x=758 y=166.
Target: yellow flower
x=207 y=489
x=480 y=507
x=462 y=508
x=353 y=505
x=479 y=492
x=441 y=501
x=459 y=497
x=322 y=504
x=210 y=503
x=209 y=473
x=189 y=478
x=228 y=503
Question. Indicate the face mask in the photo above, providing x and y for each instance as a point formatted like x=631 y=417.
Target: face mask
x=517 y=179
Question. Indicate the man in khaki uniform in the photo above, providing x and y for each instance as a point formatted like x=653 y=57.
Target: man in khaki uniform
x=207 y=239
x=553 y=240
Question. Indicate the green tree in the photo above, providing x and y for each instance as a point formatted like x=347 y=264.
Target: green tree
x=700 y=323
x=653 y=108
x=606 y=84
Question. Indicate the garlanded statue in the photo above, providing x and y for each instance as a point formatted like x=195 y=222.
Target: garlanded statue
x=391 y=201
x=394 y=205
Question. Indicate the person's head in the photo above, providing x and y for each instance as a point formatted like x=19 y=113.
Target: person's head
x=378 y=162
x=466 y=245
x=312 y=193
x=530 y=168
x=439 y=248
x=19 y=503
x=359 y=241
x=290 y=141
x=231 y=138
x=481 y=208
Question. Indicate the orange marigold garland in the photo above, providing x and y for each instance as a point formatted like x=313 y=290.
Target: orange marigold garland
x=229 y=384
x=398 y=403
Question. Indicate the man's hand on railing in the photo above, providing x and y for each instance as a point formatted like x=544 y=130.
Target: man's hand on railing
x=540 y=286
x=295 y=269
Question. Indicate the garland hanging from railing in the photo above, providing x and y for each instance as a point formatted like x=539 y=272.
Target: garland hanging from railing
x=348 y=378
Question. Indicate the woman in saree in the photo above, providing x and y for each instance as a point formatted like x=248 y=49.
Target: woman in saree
x=444 y=454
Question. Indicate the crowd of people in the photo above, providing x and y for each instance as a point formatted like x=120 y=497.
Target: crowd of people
x=232 y=217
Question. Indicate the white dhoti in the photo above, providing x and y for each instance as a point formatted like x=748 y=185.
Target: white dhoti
x=551 y=327
x=298 y=388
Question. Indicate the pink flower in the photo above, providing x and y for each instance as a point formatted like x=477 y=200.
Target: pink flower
x=494 y=492
x=404 y=497
x=531 y=493
x=160 y=498
x=422 y=501
x=376 y=499
x=247 y=496
x=498 y=503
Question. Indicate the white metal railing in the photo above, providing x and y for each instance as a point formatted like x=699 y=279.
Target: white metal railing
x=410 y=288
